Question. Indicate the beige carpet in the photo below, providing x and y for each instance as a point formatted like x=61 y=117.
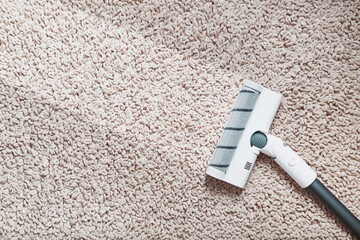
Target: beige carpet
x=110 y=112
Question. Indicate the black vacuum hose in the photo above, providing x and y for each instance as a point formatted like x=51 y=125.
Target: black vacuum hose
x=339 y=209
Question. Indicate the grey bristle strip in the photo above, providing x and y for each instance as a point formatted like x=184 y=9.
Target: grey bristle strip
x=242 y=110
x=233 y=131
x=250 y=89
x=246 y=91
x=218 y=165
x=226 y=147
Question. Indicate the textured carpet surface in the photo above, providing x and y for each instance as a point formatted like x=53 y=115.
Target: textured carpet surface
x=110 y=112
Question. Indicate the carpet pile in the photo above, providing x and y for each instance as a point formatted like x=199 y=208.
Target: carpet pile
x=110 y=112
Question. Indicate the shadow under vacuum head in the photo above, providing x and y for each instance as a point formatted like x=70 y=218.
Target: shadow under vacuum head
x=254 y=110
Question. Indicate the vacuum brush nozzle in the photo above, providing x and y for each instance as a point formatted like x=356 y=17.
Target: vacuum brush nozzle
x=246 y=134
x=234 y=157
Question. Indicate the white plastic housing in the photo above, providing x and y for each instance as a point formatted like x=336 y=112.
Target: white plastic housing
x=294 y=165
x=245 y=156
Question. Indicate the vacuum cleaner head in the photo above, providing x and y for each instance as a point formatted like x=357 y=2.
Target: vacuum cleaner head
x=246 y=134
x=254 y=111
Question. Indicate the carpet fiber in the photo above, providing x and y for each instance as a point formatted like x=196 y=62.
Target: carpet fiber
x=110 y=112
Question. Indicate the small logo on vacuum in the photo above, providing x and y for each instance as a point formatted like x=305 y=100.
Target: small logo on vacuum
x=248 y=165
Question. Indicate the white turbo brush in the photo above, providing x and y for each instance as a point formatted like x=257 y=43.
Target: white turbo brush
x=246 y=135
